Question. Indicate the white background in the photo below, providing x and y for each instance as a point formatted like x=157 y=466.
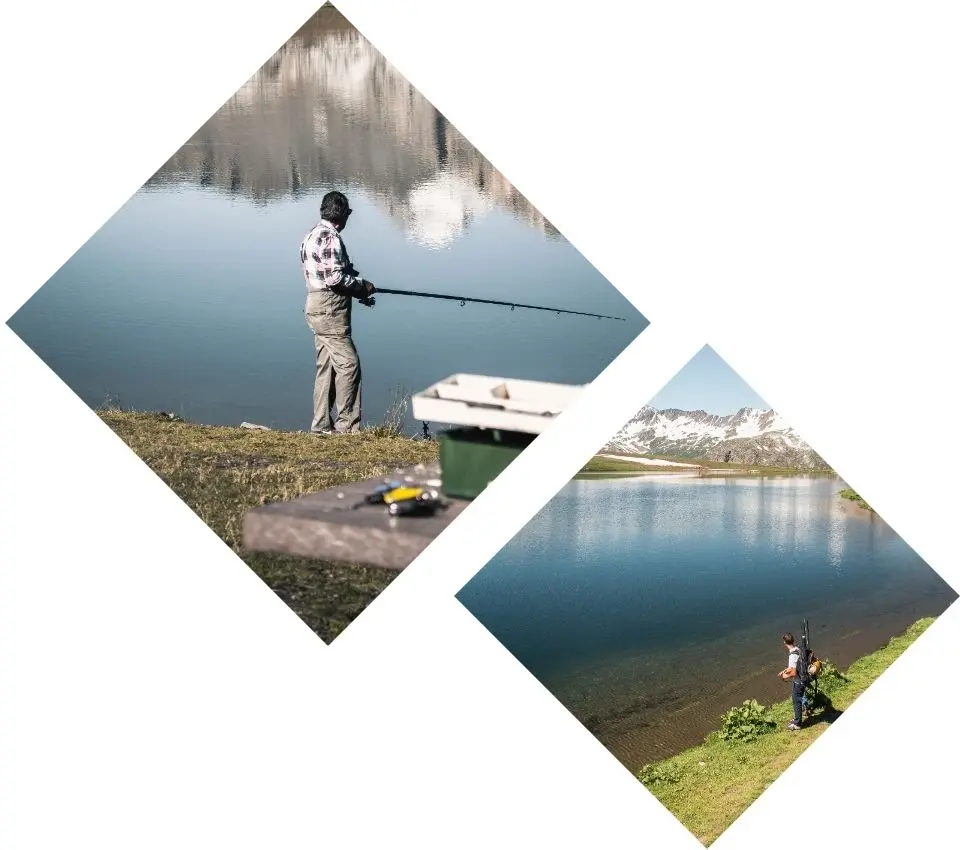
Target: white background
x=780 y=183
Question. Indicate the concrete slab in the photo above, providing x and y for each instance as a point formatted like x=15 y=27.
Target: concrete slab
x=327 y=525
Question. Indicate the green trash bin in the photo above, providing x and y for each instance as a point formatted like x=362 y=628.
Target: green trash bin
x=470 y=458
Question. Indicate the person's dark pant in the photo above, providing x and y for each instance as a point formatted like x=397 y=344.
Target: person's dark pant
x=799 y=689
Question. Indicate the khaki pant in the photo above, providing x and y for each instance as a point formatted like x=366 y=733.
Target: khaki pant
x=337 y=381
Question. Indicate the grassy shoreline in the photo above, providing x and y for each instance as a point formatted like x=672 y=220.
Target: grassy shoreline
x=709 y=786
x=622 y=465
x=222 y=472
x=856 y=498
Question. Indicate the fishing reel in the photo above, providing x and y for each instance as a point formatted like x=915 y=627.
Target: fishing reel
x=403 y=501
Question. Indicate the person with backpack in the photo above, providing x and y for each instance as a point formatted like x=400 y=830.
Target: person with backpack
x=795 y=672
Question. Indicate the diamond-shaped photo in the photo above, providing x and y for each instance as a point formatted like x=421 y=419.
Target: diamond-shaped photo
x=327 y=322
x=707 y=596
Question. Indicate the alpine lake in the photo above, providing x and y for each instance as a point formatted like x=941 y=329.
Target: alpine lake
x=650 y=604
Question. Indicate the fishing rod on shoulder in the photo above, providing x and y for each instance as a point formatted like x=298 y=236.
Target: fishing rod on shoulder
x=811 y=664
x=463 y=299
x=804 y=639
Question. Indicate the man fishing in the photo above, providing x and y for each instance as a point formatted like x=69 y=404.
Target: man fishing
x=332 y=284
x=788 y=674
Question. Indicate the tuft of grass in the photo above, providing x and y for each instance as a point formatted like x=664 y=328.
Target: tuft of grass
x=855 y=497
x=394 y=418
x=709 y=786
x=223 y=472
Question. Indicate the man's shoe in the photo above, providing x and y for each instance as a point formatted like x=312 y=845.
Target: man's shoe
x=323 y=433
x=793 y=727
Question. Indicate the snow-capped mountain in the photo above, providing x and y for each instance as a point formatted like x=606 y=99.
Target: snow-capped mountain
x=748 y=436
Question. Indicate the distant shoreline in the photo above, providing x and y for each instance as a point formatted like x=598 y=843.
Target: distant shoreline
x=610 y=465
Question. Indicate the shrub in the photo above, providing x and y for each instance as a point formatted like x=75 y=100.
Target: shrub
x=830 y=678
x=665 y=773
x=745 y=722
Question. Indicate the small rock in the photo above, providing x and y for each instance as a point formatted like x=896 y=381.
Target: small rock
x=251 y=427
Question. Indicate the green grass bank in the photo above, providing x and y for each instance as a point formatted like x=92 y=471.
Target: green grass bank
x=709 y=786
x=856 y=498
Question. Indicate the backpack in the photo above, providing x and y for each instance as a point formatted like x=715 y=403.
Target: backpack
x=808 y=665
x=801 y=677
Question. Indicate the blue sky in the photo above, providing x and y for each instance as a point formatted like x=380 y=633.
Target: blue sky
x=708 y=383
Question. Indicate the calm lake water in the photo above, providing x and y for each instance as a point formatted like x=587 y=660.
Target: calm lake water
x=648 y=606
x=190 y=299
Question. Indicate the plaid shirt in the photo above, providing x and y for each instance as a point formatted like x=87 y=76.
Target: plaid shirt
x=326 y=264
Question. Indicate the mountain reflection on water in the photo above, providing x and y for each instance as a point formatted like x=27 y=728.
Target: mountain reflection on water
x=190 y=298
x=329 y=110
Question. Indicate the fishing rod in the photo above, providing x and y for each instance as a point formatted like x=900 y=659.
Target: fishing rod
x=512 y=305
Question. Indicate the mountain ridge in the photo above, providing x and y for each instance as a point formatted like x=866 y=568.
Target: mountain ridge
x=750 y=436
